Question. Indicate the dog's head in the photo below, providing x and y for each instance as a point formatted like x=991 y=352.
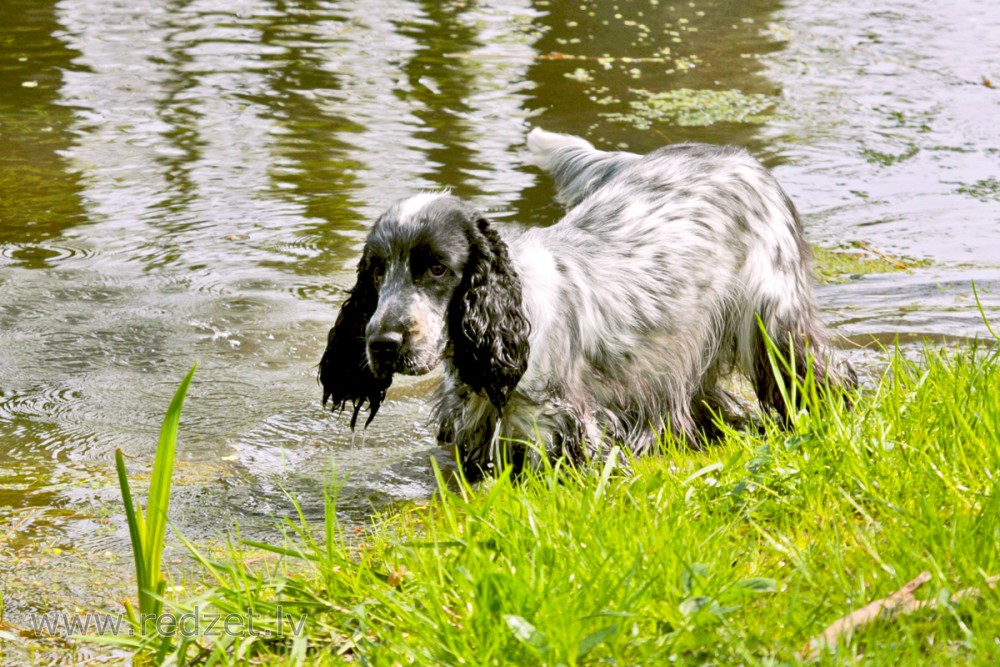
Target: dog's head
x=434 y=281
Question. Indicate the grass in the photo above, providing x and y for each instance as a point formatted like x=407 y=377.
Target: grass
x=148 y=532
x=739 y=554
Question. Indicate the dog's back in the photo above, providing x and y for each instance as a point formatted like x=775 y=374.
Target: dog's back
x=729 y=253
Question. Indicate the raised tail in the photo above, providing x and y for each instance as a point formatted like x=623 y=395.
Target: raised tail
x=576 y=166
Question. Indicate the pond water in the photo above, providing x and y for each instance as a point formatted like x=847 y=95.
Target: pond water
x=191 y=182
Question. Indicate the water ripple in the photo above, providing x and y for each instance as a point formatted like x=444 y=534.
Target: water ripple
x=42 y=255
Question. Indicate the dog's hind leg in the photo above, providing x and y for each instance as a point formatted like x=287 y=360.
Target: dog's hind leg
x=782 y=340
x=788 y=343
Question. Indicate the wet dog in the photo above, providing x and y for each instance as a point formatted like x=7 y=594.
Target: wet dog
x=612 y=325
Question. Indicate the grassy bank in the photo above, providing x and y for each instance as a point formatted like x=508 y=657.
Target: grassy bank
x=741 y=554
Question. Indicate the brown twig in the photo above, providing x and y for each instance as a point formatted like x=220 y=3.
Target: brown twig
x=843 y=627
x=965 y=594
x=556 y=55
x=888 y=258
x=900 y=602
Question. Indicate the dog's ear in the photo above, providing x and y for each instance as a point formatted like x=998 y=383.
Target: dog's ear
x=487 y=328
x=344 y=370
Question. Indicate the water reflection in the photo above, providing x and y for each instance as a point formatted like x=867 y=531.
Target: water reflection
x=191 y=182
x=885 y=124
x=40 y=195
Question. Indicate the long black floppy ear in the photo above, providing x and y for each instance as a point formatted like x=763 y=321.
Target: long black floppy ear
x=486 y=323
x=344 y=370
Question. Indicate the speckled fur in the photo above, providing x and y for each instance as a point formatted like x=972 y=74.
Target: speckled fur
x=619 y=320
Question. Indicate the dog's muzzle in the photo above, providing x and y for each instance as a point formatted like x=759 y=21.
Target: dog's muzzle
x=384 y=352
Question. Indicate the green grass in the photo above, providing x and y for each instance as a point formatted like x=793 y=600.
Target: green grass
x=736 y=555
x=148 y=532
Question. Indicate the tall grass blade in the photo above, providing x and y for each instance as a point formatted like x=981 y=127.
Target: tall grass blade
x=159 y=487
x=982 y=313
x=609 y=467
x=136 y=535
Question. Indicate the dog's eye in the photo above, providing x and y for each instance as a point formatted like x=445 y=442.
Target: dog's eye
x=378 y=273
x=437 y=270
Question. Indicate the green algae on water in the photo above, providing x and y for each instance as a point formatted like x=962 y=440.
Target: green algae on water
x=985 y=190
x=840 y=264
x=687 y=107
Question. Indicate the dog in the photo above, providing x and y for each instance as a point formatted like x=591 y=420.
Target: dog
x=610 y=326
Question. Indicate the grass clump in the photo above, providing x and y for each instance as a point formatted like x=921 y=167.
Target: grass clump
x=148 y=532
x=739 y=554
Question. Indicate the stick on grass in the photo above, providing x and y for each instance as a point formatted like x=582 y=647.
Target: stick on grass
x=900 y=602
x=843 y=627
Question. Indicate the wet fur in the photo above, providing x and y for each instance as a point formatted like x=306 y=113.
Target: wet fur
x=609 y=326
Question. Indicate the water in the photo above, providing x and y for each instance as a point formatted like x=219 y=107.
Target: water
x=191 y=182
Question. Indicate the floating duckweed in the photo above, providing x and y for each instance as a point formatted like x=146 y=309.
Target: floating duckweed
x=985 y=190
x=686 y=63
x=687 y=107
x=580 y=74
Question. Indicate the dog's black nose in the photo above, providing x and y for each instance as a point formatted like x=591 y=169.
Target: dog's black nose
x=386 y=343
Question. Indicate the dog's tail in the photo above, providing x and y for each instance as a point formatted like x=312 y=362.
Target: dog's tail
x=576 y=166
